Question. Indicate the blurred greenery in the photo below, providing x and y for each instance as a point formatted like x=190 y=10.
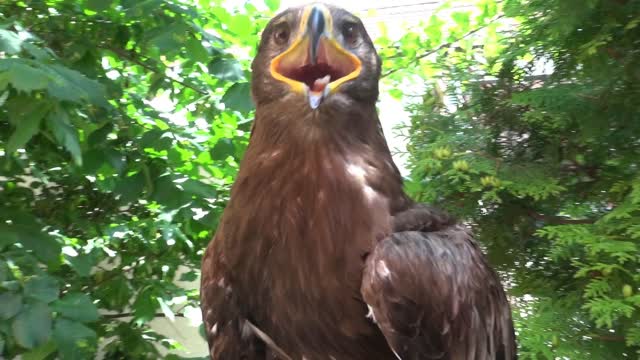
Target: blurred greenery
x=122 y=123
x=120 y=129
x=538 y=148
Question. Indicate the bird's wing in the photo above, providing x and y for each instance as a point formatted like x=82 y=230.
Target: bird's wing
x=229 y=334
x=433 y=294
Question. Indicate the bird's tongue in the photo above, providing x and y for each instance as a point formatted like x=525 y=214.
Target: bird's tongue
x=318 y=91
x=320 y=84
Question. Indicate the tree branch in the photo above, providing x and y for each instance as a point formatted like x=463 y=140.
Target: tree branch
x=559 y=220
x=130 y=314
x=126 y=55
x=443 y=46
x=614 y=338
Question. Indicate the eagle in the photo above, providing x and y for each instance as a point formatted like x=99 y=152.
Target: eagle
x=319 y=253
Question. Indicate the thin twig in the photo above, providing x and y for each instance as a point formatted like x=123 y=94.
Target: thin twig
x=130 y=314
x=559 y=220
x=443 y=46
x=127 y=56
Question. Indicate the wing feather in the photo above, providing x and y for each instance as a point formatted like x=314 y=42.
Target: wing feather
x=434 y=296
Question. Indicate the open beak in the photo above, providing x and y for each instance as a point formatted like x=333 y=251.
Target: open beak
x=315 y=64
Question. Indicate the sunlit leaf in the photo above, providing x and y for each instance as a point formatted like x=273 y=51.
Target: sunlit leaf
x=166 y=310
x=273 y=5
x=10 y=42
x=41 y=352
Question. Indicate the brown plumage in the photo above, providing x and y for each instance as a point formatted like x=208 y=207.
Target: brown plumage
x=320 y=254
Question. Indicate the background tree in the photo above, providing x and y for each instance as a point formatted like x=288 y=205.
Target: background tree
x=120 y=129
x=538 y=147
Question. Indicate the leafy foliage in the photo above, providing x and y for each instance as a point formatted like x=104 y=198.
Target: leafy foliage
x=538 y=147
x=120 y=128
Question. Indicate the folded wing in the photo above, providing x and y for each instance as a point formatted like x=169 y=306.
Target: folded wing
x=433 y=294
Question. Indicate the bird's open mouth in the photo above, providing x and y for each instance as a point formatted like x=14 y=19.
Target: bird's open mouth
x=317 y=77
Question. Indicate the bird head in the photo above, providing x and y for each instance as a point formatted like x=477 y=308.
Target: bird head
x=319 y=55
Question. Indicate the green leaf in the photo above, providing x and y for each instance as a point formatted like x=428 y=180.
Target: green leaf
x=74 y=340
x=3 y=97
x=171 y=38
x=396 y=93
x=4 y=81
x=32 y=327
x=4 y=269
x=76 y=306
x=11 y=305
x=82 y=263
x=196 y=50
x=115 y=293
x=131 y=187
x=37 y=52
x=145 y=305
x=7 y=236
x=24 y=77
x=10 y=42
x=189 y=276
x=26 y=128
x=42 y=352
x=241 y=25
x=226 y=69
x=74 y=86
x=43 y=288
x=169 y=194
x=222 y=149
x=199 y=189
x=45 y=247
x=238 y=98
x=98 y=5
x=65 y=134
x=115 y=159
x=462 y=20
x=273 y=5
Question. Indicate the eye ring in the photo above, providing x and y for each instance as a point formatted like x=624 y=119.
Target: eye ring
x=281 y=34
x=350 y=33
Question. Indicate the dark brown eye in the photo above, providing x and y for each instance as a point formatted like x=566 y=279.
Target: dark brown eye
x=350 y=33
x=281 y=34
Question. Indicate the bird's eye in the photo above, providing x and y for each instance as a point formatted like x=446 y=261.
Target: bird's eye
x=350 y=33
x=281 y=34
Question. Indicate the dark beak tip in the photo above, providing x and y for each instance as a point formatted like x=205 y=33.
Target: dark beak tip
x=315 y=28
